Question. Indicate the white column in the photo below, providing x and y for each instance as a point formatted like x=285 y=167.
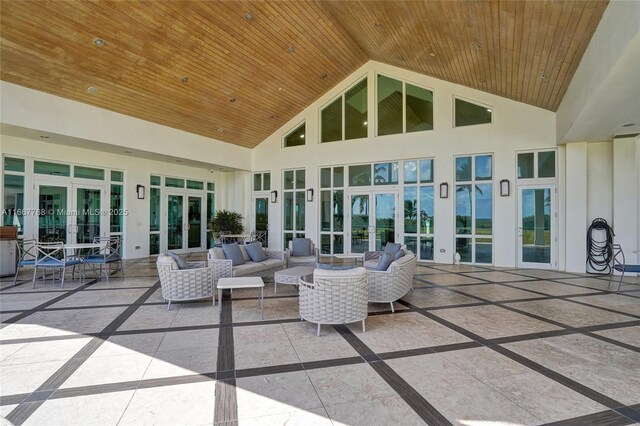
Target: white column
x=626 y=195
x=576 y=207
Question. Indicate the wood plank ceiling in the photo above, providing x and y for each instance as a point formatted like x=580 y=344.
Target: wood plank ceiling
x=252 y=65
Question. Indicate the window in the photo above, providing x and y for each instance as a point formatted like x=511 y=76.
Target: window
x=360 y=175
x=13 y=193
x=474 y=208
x=346 y=117
x=419 y=207
x=262 y=181
x=116 y=203
x=211 y=207
x=13 y=164
x=154 y=215
x=88 y=173
x=296 y=137
x=385 y=174
x=55 y=169
x=332 y=210
x=173 y=182
x=294 y=203
x=194 y=184
x=403 y=107
x=467 y=113
x=539 y=164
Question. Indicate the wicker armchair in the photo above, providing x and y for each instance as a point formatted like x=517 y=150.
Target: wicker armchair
x=334 y=297
x=390 y=285
x=292 y=260
x=185 y=284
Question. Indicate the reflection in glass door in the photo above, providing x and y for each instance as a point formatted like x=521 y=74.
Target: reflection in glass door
x=88 y=214
x=360 y=223
x=194 y=227
x=175 y=222
x=372 y=227
x=52 y=213
x=536 y=227
x=262 y=218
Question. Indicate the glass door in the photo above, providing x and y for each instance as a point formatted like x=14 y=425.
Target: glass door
x=88 y=214
x=261 y=212
x=175 y=225
x=372 y=218
x=536 y=227
x=52 y=201
x=194 y=226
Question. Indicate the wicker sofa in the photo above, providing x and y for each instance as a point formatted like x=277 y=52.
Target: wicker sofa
x=390 y=285
x=334 y=297
x=222 y=267
x=185 y=284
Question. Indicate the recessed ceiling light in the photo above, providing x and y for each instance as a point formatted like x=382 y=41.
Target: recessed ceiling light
x=184 y=79
x=220 y=129
x=432 y=54
x=92 y=90
x=279 y=89
x=232 y=100
x=629 y=125
x=475 y=45
x=377 y=24
x=127 y=152
x=291 y=49
x=45 y=136
x=325 y=75
x=99 y=42
x=248 y=16
x=272 y=117
x=543 y=77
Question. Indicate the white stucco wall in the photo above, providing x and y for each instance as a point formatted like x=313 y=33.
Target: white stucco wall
x=516 y=127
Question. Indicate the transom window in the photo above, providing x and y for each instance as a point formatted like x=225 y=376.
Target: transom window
x=403 y=107
x=537 y=164
x=468 y=113
x=346 y=117
x=296 y=137
x=262 y=181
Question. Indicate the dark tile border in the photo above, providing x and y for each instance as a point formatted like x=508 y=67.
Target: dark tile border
x=226 y=404
x=603 y=418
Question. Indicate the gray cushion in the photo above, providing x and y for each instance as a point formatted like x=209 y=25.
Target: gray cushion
x=182 y=263
x=385 y=261
x=248 y=268
x=255 y=252
x=165 y=259
x=334 y=267
x=301 y=247
x=232 y=251
x=392 y=248
x=245 y=255
x=217 y=253
x=399 y=254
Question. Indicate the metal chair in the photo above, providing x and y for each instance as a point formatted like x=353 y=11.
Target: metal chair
x=620 y=265
x=53 y=256
x=259 y=236
x=27 y=255
x=106 y=255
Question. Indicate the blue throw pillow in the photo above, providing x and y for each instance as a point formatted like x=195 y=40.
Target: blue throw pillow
x=232 y=251
x=385 y=261
x=255 y=252
x=182 y=263
x=399 y=254
x=392 y=248
x=301 y=247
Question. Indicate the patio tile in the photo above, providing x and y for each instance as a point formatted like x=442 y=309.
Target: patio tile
x=382 y=411
x=182 y=362
x=493 y=321
x=264 y=354
x=149 y=317
x=433 y=297
x=109 y=369
x=103 y=409
x=248 y=335
x=186 y=405
x=307 y=417
x=543 y=274
x=26 y=378
x=551 y=288
x=347 y=384
x=46 y=351
x=569 y=313
x=275 y=394
x=484 y=363
x=203 y=313
x=305 y=330
x=451 y=279
x=620 y=303
x=189 y=339
x=496 y=292
x=496 y=276
x=321 y=349
x=628 y=335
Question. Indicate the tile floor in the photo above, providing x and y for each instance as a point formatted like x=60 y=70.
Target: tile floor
x=470 y=345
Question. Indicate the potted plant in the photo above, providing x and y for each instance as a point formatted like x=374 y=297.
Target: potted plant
x=226 y=221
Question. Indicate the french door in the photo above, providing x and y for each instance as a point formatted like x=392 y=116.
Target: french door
x=185 y=230
x=70 y=212
x=372 y=221
x=537 y=239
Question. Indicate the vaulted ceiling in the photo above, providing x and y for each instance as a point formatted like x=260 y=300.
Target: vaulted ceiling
x=238 y=70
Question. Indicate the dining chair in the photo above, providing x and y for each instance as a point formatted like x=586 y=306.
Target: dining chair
x=105 y=255
x=27 y=254
x=53 y=255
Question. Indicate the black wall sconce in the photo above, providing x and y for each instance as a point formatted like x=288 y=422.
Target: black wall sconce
x=310 y=194
x=274 y=196
x=504 y=188
x=444 y=190
x=140 y=192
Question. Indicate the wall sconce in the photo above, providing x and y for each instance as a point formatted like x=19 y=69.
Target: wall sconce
x=504 y=188
x=310 y=194
x=274 y=196
x=444 y=190
x=140 y=192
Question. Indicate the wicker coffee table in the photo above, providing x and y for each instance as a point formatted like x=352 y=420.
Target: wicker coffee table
x=291 y=276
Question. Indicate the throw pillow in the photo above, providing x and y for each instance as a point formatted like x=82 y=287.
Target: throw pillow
x=301 y=247
x=385 y=261
x=255 y=252
x=392 y=248
x=182 y=263
x=232 y=251
x=243 y=250
x=399 y=254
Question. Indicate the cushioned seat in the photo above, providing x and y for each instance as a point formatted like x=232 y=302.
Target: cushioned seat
x=390 y=285
x=301 y=252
